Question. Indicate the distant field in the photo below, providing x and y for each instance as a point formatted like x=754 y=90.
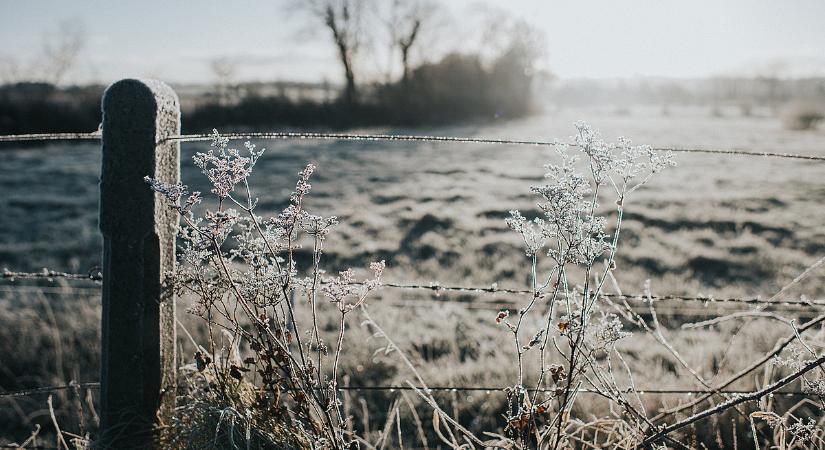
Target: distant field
x=727 y=225
x=716 y=225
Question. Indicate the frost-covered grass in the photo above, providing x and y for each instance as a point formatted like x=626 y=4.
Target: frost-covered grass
x=713 y=225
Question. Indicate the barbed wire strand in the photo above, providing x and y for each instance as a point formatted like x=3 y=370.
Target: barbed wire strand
x=704 y=299
x=452 y=139
x=486 y=389
x=94 y=136
x=670 y=311
x=93 y=274
x=437 y=288
x=472 y=304
x=48 y=389
x=287 y=135
x=29 y=447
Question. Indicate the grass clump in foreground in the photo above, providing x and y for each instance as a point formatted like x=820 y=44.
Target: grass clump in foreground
x=265 y=379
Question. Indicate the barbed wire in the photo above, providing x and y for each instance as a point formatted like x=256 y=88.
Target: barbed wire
x=667 y=311
x=94 y=274
x=29 y=447
x=437 y=288
x=472 y=304
x=391 y=388
x=703 y=299
x=452 y=139
x=491 y=389
x=94 y=136
x=48 y=389
x=286 y=135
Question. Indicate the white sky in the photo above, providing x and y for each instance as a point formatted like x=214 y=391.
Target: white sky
x=174 y=40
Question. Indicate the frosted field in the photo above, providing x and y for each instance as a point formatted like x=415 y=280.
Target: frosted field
x=720 y=225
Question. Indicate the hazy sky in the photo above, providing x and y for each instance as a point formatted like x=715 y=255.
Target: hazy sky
x=175 y=40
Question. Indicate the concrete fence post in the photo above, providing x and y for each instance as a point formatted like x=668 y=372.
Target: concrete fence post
x=138 y=379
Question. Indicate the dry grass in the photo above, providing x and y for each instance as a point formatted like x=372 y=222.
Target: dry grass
x=714 y=225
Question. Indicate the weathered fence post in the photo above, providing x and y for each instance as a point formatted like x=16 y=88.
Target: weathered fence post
x=138 y=327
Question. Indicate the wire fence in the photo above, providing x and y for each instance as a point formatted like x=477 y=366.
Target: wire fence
x=95 y=275
x=484 y=389
x=48 y=389
x=438 y=288
x=288 y=135
x=94 y=136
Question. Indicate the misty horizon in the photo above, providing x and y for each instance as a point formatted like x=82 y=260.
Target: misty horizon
x=264 y=42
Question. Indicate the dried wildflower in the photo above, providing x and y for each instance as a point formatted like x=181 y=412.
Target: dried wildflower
x=795 y=362
x=530 y=231
x=574 y=233
x=815 y=386
x=804 y=431
x=345 y=286
x=317 y=225
x=302 y=187
x=571 y=229
x=227 y=168
x=241 y=269
x=174 y=193
x=221 y=223
x=608 y=330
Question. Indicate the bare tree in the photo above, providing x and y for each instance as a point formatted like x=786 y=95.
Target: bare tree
x=10 y=70
x=405 y=22
x=345 y=20
x=224 y=72
x=61 y=50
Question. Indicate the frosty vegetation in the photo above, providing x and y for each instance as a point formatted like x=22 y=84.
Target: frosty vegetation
x=265 y=379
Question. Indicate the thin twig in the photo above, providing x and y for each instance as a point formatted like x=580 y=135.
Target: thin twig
x=733 y=402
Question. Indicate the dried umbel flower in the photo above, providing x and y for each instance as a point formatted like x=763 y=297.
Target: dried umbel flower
x=572 y=231
x=345 y=287
x=607 y=331
x=227 y=168
x=806 y=431
x=241 y=270
x=173 y=192
x=570 y=228
x=531 y=232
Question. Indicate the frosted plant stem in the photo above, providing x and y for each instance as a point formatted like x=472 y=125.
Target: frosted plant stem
x=731 y=403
